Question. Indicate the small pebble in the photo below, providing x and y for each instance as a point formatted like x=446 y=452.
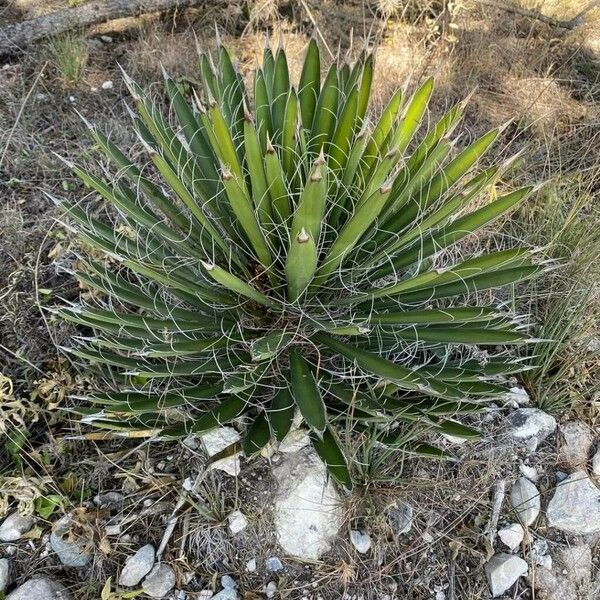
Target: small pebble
x=251 y=566
x=360 y=540
x=107 y=85
x=228 y=582
x=273 y=564
x=237 y=522
x=271 y=589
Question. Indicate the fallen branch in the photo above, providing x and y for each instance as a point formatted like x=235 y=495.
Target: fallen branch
x=16 y=37
x=570 y=24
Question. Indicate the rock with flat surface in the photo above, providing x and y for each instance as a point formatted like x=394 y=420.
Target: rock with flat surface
x=237 y=522
x=40 y=588
x=273 y=564
x=530 y=425
x=503 y=571
x=294 y=441
x=525 y=500
x=4 y=574
x=137 y=566
x=226 y=594
x=569 y=577
x=596 y=463
x=72 y=542
x=159 y=582
x=218 y=439
x=512 y=535
x=14 y=527
x=575 y=505
x=308 y=514
x=575 y=445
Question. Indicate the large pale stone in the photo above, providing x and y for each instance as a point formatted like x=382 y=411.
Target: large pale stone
x=503 y=571
x=160 y=581
x=570 y=576
x=531 y=425
x=596 y=463
x=575 y=506
x=138 y=566
x=72 y=542
x=575 y=446
x=307 y=506
x=4 y=574
x=15 y=527
x=40 y=588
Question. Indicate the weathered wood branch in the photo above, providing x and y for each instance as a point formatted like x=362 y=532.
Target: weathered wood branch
x=17 y=36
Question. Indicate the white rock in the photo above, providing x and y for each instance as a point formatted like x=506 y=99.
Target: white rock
x=308 y=514
x=529 y=472
x=570 y=579
x=531 y=424
x=512 y=535
x=294 y=441
x=525 y=499
x=4 y=574
x=271 y=589
x=575 y=506
x=360 y=540
x=575 y=446
x=218 y=439
x=251 y=566
x=205 y=595
x=71 y=542
x=273 y=564
x=400 y=516
x=137 y=566
x=113 y=530
x=40 y=588
x=503 y=571
x=518 y=395
x=191 y=442
x=15 y=527
x=226 y=594
x=107 y=85
x=539 y=553
x=237 y=522
x=228 y=582
x=159 y=582
x=106 y=39
x=596 y=463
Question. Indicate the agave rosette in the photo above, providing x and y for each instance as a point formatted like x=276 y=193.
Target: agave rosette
x=281 y=256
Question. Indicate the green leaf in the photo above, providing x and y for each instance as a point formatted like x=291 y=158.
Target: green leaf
x=328 y=448
x=306 y=392
x=310 y=84
x=281 y=413
x=46 y=505
x=386 y=369
x=258 y=435
x=226 y=411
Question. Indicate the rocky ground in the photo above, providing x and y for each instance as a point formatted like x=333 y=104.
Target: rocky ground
x=513 y=515
x=277 y=527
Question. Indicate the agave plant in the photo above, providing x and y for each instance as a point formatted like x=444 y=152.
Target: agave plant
x=283 y=254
